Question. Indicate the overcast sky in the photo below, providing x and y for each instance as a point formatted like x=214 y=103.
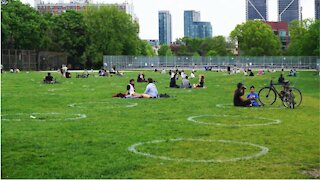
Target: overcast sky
x=224 y=15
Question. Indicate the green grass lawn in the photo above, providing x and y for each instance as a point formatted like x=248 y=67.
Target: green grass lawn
x=75 y=129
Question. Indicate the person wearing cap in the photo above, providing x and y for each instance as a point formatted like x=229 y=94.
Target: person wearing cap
x=253 y=96
x=238 y=99
x=151 y=90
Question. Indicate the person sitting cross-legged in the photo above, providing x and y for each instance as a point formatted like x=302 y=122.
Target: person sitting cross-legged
x=238 y=99
x=151 y=90
x=49 y=79
x=185 y=83
x=253 y=96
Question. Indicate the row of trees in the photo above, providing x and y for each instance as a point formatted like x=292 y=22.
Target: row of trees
x=85 y=36
x=212 y=46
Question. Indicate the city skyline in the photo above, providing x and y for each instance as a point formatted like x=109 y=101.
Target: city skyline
x=165 y=27
x=224 y=15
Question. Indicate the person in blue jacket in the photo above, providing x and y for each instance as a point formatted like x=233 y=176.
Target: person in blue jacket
x=253 y=97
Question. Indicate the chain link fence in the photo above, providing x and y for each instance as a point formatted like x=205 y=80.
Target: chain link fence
x=273 y=62
x=31 y=60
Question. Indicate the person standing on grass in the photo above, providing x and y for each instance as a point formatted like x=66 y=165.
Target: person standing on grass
x=151 y=90
x=253 y=96
x=238 y=99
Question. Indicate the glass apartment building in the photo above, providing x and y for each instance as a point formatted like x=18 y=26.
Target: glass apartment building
x=317 y=9
x=194 y=27
x=256 y=9
x=201 y=29
x=165 y=28
x=190 y=17
x=289 y=10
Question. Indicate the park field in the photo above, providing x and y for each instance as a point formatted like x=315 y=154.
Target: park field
x=75 y=129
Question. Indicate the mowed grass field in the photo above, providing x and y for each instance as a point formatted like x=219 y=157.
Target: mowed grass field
x=75 y=129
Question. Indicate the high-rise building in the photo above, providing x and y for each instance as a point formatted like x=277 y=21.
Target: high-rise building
x=202 y=29
x=165 y=28
x=190 y=17
x=256 y=9
x=193 y=27
x=317 y=9
x=289 y=10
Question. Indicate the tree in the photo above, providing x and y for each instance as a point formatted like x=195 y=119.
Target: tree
x=20 y=26
x=304 y=38
x=146 y=49
x=255 y=38
x=218 y=44
x=70 y=36
x=165 y=51
x=110 y=32
x=212 y=53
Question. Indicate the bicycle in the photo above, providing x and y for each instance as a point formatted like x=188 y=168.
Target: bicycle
x=291 y=97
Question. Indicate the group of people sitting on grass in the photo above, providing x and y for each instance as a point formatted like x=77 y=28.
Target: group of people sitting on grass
x=150 y=92
x=249 y=101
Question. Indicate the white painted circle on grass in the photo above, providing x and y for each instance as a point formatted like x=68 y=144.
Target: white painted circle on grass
x=263 y=150
x=105 y=104
x=39 y=117
x=225 y=106
x=272 y=121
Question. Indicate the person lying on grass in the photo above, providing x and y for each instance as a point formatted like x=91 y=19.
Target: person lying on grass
x=238 y=99
x=49 y=79
x=201 y=82
x=253 y=96
x=151 y=90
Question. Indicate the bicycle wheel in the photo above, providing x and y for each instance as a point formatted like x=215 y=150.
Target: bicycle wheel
x=267 y=96
x=293 y=99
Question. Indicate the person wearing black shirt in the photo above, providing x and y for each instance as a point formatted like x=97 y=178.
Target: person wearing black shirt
x=238 y=100
x=201 y=82
x=173 y=83
x=281 y=79
x=48 y=79
x=141 y=78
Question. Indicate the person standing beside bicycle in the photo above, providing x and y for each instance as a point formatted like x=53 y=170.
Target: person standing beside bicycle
x=238 y=99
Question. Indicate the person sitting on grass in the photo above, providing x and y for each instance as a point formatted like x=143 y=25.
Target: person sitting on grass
x=281 y=80
x=131 y=93
x=185 y=83
x=201 y=82
x=151 y=90
x=173 y=83
x=238 y=99
x=253 y=96
x=192 y=76
x=49 y=79
x=141 y=78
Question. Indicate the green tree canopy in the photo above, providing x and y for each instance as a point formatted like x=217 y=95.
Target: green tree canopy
x=21 y=26
x=255 y=38
x=165 y=51
x=304 y=38
x=110 y=31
